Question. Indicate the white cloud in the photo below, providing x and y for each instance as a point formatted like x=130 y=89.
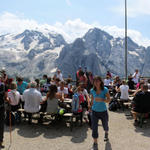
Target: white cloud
x=136 y=36
x=68 y=2
x=134 y=8
x=71 y=29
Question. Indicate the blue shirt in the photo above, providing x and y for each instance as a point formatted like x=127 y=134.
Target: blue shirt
x=99 y=106
x=21 y=88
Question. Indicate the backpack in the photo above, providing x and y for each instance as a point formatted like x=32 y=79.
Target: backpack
x=114 y=105
x=75 y=103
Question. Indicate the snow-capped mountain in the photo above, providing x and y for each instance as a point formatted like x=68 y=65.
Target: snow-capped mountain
x=30 y=53
x=34 y=53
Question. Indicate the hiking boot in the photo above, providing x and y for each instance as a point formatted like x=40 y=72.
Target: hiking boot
x=2 y=145
x=106 y=137
x=95 y=146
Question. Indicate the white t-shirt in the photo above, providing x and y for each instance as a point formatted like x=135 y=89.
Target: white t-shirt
x=65 y=90
x=107 y=82
x=60 y=76
x=124 y=92
x=32 y=98
x=136 y=77
x=14 y=97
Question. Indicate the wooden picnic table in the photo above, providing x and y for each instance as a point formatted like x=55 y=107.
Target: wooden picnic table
x=68 y=100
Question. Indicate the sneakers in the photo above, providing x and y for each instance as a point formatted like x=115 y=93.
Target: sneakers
x=106 y=137
x=95 y=146
x=2 y=145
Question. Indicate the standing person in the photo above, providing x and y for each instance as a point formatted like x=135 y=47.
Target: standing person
x=83 y=78
x=136 y=76
x=59 y=75
x=3 y=94
x=77 y=75
x=109 y=74
x=89 y=81
x=100 y=96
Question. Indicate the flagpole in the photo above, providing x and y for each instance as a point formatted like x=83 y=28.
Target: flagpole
x=126 y=48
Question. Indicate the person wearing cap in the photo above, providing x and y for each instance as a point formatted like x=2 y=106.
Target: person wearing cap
x=32 y=99
x=3 y=95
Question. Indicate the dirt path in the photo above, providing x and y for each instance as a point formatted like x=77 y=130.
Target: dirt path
x=123 y=136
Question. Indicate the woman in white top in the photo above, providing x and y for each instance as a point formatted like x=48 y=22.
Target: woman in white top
x=14 y=101
x=14 y=97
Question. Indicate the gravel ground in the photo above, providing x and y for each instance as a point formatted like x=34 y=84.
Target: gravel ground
x=122 y=136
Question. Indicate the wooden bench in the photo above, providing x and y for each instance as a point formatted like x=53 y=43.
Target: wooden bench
x=69 y=116
x=140 y=117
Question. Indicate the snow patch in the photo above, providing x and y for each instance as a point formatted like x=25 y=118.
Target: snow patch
x=133 y=53
x=53 y=70
x=57 y=50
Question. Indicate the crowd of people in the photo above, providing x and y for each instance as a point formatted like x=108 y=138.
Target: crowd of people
x=93 y=92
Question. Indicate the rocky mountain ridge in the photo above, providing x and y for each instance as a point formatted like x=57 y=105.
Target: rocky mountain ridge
x=34 y=53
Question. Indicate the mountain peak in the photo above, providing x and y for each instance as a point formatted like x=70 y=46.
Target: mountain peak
x=98 y=33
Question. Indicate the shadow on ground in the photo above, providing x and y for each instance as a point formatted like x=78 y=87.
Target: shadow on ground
x=52 y=131
x=108 y=146
x=145 y=130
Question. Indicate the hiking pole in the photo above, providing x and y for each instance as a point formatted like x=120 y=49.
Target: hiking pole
x=10 y=127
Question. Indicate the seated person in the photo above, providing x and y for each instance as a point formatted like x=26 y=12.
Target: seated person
x=148 y=83
x=14 y=99
x=46 y=86
x=141 y=83
x=52 y=99
x=62 y=89
x=32 y=99
x=141 y=102
x=107 y=81
x=124 y=89
x=131 y=83
x=21 y=85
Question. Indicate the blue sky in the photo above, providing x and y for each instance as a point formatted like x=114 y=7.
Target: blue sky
x=73 y=18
